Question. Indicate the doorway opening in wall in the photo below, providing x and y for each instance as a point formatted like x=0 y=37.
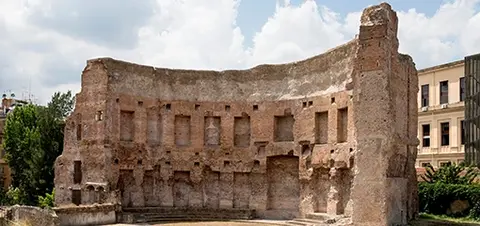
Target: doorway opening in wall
x=283 y=183
x=76 y=197
x=126 y=185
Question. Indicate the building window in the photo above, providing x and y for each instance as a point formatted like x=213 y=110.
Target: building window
x=426 y=135
x=462 y=89
x=444 y=164
x=425 y=92
x=444 y=92
x=462 y=132
x=445 y=130
x=426 y=164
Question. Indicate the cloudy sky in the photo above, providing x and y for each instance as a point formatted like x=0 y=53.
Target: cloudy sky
x=44 y=44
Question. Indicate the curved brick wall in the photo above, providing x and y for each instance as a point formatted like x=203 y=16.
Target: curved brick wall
x=331 y=134
x=319 y=75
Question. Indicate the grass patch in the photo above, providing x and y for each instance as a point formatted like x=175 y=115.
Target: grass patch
x=431 y=220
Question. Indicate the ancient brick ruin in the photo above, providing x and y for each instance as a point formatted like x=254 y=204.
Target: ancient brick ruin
x=335 y=134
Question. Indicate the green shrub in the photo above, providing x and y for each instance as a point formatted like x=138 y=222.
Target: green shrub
x=47 y=201
x=452 y=174
x=15 y=196
x=435 y=198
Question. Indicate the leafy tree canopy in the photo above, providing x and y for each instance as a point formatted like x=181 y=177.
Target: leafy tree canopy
x=61 y=104
x=33 y=139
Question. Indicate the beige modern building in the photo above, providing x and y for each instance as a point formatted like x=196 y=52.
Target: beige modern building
x=441 y=114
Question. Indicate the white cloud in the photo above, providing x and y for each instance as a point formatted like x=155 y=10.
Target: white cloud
x=470 y=36
x=436 y=39
x=198 y=34
x=48 y=41
x=294 y=33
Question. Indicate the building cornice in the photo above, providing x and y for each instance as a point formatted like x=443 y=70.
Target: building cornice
x=441 y=67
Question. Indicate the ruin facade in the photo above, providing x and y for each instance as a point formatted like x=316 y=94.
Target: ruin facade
x=333 y=134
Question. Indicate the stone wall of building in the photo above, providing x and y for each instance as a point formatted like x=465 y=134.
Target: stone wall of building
x=332 y=134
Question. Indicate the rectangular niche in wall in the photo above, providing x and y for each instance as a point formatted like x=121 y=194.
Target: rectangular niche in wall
x=181 y=188
x=321 y=127
x=241 y=190
x=342 y=125
x=212 y=189
x=154 y=127
x=212 y=131
x=127 y=125
x=149 y=188
x=283 y=191
x=242 y=131
x=79 y=131
x=182 y=130
x=77 y=172
x=284 y=128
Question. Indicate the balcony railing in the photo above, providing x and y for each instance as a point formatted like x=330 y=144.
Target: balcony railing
x=441 y=150
x=442 y=106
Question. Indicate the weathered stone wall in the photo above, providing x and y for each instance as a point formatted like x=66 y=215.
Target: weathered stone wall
x=386 y=86
x=31 y=215
x=154 y=150
x=102 y=214
x=332 y=134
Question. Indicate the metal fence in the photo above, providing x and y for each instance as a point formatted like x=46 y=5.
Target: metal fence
x=472 y=110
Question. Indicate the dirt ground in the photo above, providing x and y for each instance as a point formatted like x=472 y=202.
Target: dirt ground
x=214 y=223
x=419 y=222
x=211 y=223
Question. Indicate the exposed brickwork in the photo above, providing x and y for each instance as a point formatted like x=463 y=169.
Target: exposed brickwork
x=332 y=134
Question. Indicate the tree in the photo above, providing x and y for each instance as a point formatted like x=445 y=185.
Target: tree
x=61 y=104
x=33 y=140
x=22 y=146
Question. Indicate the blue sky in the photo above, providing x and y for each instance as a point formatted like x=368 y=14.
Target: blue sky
x=254 y=13
x=48 y=42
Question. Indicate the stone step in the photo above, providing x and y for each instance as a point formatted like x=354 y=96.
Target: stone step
x=164 y=220
x=190 y=217
x=183 y=210
x=307 y=222
x=162 y=214
x=310 y=221
x=194 y=213
x=319 y=216
x=294 y=222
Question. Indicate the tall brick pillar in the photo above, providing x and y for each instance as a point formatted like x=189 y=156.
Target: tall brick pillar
x=384 y=121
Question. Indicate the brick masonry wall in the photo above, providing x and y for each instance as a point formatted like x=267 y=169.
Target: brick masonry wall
x=339 y=129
